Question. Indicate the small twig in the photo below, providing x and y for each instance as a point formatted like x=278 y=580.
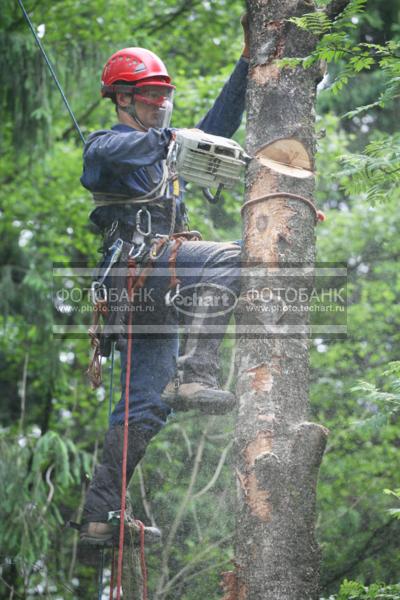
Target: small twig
x=217 y=472
x=187 y=441
x=76 y=534
x=195 y=560
x=196 y=522
x=180 y=513
x=80 y=119
x=187 y=5
x=23 y=392
x=143 y=495
x=231 y=373
x=51 y=489
x=11 y=588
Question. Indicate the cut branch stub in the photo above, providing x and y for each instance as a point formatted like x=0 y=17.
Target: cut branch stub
x=287 y=156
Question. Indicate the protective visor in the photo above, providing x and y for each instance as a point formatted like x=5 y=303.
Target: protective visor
x=154 y=104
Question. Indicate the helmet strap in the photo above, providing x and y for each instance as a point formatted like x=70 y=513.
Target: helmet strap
x=130 y=109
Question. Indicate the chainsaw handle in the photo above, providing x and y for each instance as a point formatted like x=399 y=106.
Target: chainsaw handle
x=213 y=199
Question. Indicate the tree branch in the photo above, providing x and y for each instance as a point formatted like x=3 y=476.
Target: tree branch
x=216 y=473
x=367 y=550
x=335 y=8
x=179 y=515
x=76 y=534
x=23 y=392
x=65 y=134
x=145 y=502
x=187 y=5
x=193 y=562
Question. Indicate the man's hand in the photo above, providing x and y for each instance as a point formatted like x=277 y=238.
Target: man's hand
x=246 y=35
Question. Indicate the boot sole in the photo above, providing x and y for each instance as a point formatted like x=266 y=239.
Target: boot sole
x=210 y=402
x=152 y=535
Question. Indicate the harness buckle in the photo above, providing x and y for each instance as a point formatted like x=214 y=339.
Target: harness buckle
x=113 y=228
x=98 y=292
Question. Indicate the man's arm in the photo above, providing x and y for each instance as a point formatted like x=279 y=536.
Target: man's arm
x=226 y=114
x=124 y=152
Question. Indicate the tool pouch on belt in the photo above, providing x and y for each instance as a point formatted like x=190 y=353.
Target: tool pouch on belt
x=112 y=306
x=117 y=303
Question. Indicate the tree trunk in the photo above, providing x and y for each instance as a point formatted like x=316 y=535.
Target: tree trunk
x=278 y=451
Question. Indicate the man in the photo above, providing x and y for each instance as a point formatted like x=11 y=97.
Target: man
x=125 y=170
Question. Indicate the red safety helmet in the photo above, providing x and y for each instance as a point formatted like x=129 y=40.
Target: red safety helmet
x=136 y=65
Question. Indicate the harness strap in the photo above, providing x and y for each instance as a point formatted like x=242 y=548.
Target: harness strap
x=172 y=262
x=105 y=199
x=154 y=195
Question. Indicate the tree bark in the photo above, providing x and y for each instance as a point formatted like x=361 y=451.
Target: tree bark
x=278 y=451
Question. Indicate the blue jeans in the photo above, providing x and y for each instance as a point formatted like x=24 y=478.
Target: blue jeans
x=153 y=361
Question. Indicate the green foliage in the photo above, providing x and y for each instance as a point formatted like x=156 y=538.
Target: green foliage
x=375 y=173
x=337 y=45
x=352 y=590
x=36 y=473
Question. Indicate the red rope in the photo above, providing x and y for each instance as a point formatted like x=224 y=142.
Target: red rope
x=143 y=559
x=319 y=215
x=133 y=283
x=131 y=277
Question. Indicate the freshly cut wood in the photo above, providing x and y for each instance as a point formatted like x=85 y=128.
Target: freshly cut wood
x=287 y=156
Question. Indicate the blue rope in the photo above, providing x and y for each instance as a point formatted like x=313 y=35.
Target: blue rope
x=101 y=566
x=101 y=569
x=51 y=69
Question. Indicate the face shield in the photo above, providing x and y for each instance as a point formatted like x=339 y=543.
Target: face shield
x=153 y=104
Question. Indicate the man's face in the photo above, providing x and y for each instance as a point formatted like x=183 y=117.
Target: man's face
x=153 y=105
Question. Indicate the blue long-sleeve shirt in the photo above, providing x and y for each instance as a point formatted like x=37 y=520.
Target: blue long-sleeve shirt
x=116 y=160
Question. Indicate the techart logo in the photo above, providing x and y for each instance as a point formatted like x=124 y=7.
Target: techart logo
x=205 y=300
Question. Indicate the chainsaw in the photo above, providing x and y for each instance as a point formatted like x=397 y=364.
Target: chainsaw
x=206 y=160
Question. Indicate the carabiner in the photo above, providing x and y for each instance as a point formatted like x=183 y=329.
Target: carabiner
x=117 y=249
x=139 y=222
x=138 y=252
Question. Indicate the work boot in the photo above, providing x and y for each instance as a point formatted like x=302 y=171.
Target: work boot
x=199 y=388
x=107 y=534
x=104 y=493
x=209 y=400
